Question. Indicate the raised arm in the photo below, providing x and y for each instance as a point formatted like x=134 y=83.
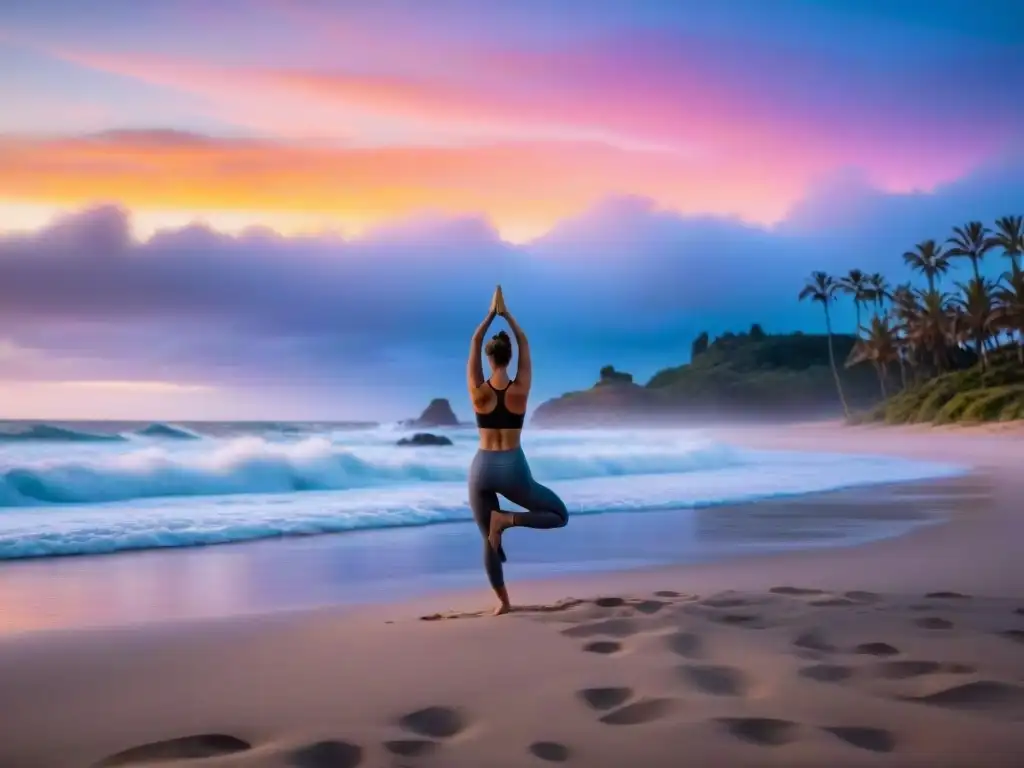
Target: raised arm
x=524 y=372
x=474 y=369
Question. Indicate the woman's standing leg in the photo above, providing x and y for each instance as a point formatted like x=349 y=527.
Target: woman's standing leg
x=483 y=501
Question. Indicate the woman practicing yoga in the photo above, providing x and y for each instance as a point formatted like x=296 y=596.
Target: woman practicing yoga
x=499 y=466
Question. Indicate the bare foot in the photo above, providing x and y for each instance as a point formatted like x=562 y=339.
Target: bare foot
x=502 y=609
x=499 y=522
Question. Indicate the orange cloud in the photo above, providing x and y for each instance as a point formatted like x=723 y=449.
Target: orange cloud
x=523 y=187
x=735 y=140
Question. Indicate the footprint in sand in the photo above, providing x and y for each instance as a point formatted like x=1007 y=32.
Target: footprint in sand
x=876 y=649
x=685 y=644
x=434 y=722
x=667 y=593
x=611 y=627
x=609 y=602
x=826 y=673
x=986 y=695
x=947 y=596
x=603 y=699
x=648 y=607
x=411 y=747
x=796 y=591
x=833 y=602
x=871 y=739
x=763 y=731
x=716 y=680
x=933 y=622
x=184 y=748
x=640 y=712
x=1017 y=635
x=327 y=754
x=813 y=640
x=738 y=619
x=603 y=647
x=551 y=751
x=903 y=669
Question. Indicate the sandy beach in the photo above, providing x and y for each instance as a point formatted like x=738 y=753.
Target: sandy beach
x=904 y=652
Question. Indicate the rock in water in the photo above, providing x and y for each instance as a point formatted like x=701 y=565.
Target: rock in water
x=425 y=438
x=438 y=414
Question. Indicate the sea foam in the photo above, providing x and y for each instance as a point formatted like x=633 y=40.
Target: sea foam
x=151 y=492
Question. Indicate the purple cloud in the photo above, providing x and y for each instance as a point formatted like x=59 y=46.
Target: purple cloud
x=624 y=283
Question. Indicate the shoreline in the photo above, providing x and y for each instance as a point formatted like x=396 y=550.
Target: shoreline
x=441 y=561
x=270 y=538
x=595 y=495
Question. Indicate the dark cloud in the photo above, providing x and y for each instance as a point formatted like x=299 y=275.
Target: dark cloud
x=624 y=283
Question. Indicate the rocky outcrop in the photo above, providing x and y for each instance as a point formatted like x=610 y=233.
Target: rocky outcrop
x=613 y=399
x=424 y=438
x=438 y=414
x=610 y=376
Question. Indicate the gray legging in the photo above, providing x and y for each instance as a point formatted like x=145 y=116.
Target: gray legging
x=508 y=474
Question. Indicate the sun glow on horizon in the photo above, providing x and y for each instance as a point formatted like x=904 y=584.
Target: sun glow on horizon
x=20 y=218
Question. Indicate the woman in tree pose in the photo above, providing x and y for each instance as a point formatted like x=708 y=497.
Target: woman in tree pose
x=500 y=466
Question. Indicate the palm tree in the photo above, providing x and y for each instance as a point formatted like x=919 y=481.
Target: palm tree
x=978 y=313
x=822 y=289
x=856 y=284
x=878 y=288
x=971 y=241
x=1010 y=237
x=929 y=259
x=1010 y=310
x=930 y=327
x=904 y=310
x=928 y=331
x=878 y=346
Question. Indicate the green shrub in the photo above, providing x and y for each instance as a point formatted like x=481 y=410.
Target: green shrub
x=953 y=409
x=1012 y=411
x=991 y=404
x=933 y=402
x=961 y=396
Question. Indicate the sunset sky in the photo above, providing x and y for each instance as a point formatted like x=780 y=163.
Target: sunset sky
x=295 y=209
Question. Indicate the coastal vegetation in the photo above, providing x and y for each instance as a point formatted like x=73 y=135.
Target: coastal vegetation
x=930 y=349
x=958 y=346
x=750 y=374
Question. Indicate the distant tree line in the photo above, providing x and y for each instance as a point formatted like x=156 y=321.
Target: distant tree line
x=703 y=342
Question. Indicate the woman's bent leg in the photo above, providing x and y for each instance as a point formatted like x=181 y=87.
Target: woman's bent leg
x=543 y=507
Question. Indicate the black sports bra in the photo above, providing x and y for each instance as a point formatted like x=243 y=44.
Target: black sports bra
x=501 y=417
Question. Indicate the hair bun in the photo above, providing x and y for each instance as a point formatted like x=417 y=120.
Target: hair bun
x=502 y=336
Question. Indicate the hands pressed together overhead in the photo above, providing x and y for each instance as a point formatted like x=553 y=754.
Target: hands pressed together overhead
x=498 y=303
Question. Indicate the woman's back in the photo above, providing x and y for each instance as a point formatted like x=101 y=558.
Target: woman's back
x=500 y=413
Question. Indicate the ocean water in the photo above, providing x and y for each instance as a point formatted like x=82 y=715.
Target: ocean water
x=101 y=488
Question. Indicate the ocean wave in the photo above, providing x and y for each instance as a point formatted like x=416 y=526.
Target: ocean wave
x=51 y=433
x=171 y=523
x=167 y=432
x=61 y=496
x=253 y=465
